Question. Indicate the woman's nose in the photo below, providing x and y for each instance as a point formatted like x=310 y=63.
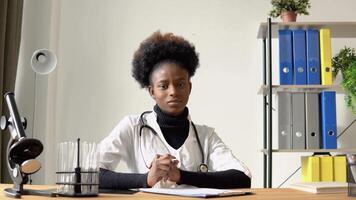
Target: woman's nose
x=173 y=91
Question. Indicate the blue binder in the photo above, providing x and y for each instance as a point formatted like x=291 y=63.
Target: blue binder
x=285 y=57
x=299 y=57
x=328 y=119
x=313 y=57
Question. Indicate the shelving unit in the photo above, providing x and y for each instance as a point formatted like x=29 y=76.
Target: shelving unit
x=353 y=150
x=338 y=29
x=266 y=32
x=264 y=90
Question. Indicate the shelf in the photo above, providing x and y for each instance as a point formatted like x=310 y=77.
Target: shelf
x=351 y=150
x=338 y=29
x=299 y=88
x=342 y=30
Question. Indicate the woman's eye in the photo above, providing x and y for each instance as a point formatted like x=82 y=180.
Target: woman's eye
x=180 y=85
x=162 y=86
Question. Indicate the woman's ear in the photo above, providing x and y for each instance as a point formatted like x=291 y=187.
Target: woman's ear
x=190 y=84
x=150 y=90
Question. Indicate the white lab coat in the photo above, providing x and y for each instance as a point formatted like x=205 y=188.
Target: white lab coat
x=124 y=144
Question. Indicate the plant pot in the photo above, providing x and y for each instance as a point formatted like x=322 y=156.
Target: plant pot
x=289 y=16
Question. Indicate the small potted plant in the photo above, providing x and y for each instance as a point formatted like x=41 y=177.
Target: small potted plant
x=345 y=62
x=288 y=9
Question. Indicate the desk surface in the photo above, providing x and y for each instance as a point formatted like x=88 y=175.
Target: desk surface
x=265 y=194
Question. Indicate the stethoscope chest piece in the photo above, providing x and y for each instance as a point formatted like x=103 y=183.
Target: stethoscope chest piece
x=203 y=168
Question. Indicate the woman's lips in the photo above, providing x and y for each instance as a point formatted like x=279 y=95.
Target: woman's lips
x=174 y=102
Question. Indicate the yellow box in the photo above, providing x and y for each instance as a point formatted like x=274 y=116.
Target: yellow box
x=326 y=168
x=340 y=168
x=310 y=169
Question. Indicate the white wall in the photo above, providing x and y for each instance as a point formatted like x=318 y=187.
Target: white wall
x=92 y=88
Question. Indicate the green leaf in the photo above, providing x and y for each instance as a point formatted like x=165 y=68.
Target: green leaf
x=342 y=60
x=349 y=85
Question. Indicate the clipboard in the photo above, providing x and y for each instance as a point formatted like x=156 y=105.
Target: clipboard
x=195 y=192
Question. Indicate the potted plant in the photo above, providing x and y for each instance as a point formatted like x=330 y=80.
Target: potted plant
x=288 y=9
x=345 y=62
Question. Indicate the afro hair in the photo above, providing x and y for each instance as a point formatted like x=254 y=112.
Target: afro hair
x=160 y=48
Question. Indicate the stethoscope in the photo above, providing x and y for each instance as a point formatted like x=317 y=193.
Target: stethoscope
x=203 y=167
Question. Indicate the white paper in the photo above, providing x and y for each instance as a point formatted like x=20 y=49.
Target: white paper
x=193 y=192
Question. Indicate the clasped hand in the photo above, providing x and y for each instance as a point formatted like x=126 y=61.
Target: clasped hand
x=163 y=167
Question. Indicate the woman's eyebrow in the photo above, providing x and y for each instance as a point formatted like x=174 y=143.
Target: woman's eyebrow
x=165 y=80
x=180 y=79
x=162 y=81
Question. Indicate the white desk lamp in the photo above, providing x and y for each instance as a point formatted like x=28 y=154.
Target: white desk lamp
x=43 y=61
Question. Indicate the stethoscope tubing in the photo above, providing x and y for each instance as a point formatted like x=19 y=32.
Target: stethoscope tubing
x=143 y=125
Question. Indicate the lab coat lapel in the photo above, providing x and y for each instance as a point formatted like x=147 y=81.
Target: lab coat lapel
x=190 y=154
x=162 y=147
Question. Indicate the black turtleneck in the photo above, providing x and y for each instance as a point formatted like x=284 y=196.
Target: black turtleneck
x=175 y=130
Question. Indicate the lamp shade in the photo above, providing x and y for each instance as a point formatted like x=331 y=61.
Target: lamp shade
x=43 y=61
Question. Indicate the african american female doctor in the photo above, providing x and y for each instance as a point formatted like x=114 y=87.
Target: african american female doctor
x=163 y=147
